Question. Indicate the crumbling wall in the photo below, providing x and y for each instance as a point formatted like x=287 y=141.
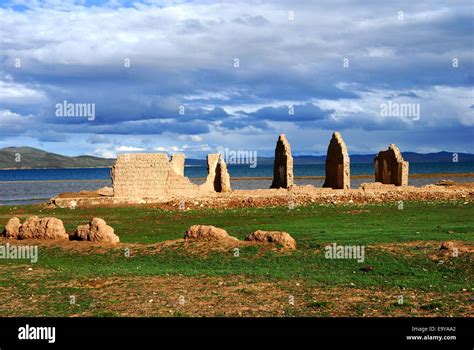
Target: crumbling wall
x=177 y=162
x=218 y=178
x=337 y=164
x=283 y=164
x=390 y=167
x=224 y=177
x=150 y=175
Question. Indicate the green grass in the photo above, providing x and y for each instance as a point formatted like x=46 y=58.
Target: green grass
x=312 y=227
x=309 y=224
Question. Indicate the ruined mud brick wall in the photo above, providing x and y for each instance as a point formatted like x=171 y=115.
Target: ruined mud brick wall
x=283 y=164
x=177 y=162
x=224 y=177
x=218 y=178
x=337 y=164
x=390 y=167
x=150 y=175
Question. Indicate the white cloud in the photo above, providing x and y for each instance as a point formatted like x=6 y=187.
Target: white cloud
x=20 y=94
x=128 y=149
x=182 y=52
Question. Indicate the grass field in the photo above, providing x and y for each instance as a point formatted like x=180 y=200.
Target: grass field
x=401 y=274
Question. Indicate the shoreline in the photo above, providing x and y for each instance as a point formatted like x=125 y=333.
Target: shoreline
x=204 y=165
x=361 y=176
x=253 y=178
x=82 y=167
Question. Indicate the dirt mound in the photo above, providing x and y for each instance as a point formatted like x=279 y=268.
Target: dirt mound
x=12 y=228
x=207 y=232
x=432 y=249
x=44 y=228
x=453 y=249
x=297 y=196
x=229 y=246
x=95 y=231
x=278 y=237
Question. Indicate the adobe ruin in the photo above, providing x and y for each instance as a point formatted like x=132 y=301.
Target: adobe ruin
x=283 y=164
x=153 y=175
x=218 y=178
x=390 y=167
x=337 y=164
x=154 y=178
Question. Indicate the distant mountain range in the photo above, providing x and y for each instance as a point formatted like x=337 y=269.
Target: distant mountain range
x=32 y=158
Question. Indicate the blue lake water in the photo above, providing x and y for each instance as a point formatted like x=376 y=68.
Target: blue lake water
x=234 y=170
x=27 y=186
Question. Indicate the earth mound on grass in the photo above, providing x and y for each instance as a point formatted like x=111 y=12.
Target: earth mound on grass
x=96 y=230
x=44 y=228
x=207 y=233
x=277 y=237
x=452 y=249
x=12 y=228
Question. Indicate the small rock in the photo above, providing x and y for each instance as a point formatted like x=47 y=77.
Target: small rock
x=367 y=268
x=72 y=204
x=105 y=191
x=445 y=183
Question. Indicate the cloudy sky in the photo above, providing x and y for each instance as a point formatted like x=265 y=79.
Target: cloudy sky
x=191 y=76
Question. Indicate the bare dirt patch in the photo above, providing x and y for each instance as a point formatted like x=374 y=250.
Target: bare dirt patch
x=187 y=247
x=431 y=248
x=356 y=211
x=233 y=295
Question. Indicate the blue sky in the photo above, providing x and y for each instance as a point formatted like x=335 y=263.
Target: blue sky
x=332 y=63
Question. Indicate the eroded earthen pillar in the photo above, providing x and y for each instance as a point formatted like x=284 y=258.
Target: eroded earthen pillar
x=337 y=164
x=283 y=164
x=390 y=167
x=218 y=178
x=177 y=162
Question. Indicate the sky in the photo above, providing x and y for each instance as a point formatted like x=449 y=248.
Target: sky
x=198 y=76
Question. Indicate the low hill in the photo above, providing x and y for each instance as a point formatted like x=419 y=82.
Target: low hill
x=31 y=158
